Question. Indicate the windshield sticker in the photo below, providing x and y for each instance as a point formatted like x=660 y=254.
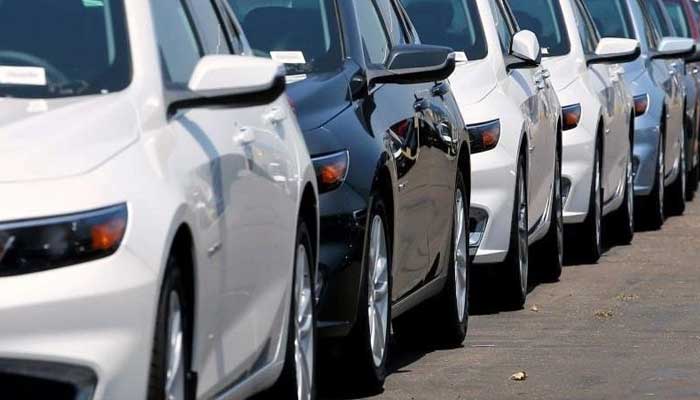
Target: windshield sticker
x=288 y=57
x=93 y=3
x=29 y=76
x=545 y=51
x=461 y=56
x=295 y=78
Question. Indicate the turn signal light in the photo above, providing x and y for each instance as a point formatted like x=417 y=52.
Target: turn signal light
x=641 y=104
x=485 y=136
x=331 y=170
x=571 y=116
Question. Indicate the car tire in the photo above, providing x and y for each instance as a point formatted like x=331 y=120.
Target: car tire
x=172 y=342
x=298 y=378
x=692 y=182
x=623 y=219
x=675 y=203
x=588 y=236
x=651 y=211
x=516 y=265
x=367 y=359
x=451 y=306
x=550 y=251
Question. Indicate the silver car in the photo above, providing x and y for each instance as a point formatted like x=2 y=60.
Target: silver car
x=656 y=81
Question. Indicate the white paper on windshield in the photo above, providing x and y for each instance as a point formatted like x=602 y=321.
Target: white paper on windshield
x=295 y=78
x=545 y=50
x=288 y=57
x=30 y=76
x=460 y=56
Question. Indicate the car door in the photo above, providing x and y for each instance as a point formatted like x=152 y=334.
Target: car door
x=530 y=88
x=400 y=114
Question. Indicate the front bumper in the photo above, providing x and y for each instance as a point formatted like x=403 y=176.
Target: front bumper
x=577 y=171
x=493 y=195
x=92 y=317
x=342 y=233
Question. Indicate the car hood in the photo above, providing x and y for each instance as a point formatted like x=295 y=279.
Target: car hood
x=58 y=138
x=472 y=82
x=318 y=98
x=561 y=69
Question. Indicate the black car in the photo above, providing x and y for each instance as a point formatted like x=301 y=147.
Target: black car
x=392 y=158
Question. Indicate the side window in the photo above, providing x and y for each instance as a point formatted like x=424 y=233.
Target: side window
x=394 y=26
x=505 y=34
x=652 y=35
x=213 y=36
x=178 y=45
x=588 y=39
x=374 y=36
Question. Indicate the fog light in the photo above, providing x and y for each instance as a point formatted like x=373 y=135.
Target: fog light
x=565 y=189
x=478 y=219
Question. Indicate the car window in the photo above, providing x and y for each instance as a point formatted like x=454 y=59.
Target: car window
x=451 y=23
x=212 y=35
x=394 y=26
x=656 y=13
x=588 y=38
x=302 y=34
x=374 y=36
x=680 y=24
x=66 y=48
x=178 y=44
x=653 y=35
x=505 y=32
x=611 y=17
x=545 y=19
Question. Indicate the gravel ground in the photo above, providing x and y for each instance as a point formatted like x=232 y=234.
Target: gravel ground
x=626 y=328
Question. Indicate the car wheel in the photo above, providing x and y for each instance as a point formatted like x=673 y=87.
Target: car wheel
x=676 y=194
x=369 y=339
x=551 y=250
x=692 y=173
x=623 y=219
x=298 y=379
x=171 y=352
x=589 y=235
x=516 y=265
x=652 y=210
x=452 y=305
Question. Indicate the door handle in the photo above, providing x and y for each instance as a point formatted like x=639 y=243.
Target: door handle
x=244 y=136
x=440 y=89
x=275 y=115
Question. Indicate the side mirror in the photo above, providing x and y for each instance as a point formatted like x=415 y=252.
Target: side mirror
x=615 y=50
x=416 y=63
x=232 y=80
x=674 y=47
x=525 y=51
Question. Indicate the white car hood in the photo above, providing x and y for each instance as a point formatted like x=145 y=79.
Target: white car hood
x=57 y=138
x=562 y=71
x=472 y=81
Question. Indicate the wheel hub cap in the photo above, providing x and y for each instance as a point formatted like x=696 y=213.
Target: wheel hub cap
x=378 y=280
x=175 y=373
x=460 y=255
x=303 y=324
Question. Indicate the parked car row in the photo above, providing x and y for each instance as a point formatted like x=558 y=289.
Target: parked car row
x=202 y=197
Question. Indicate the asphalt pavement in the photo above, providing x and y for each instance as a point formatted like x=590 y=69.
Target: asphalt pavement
x=626 y=328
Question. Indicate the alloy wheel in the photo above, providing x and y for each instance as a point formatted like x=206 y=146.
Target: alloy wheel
x=378 y=290
x=661 y=176
x=522 y=234
x=559 y=212
x=598 y=206
x=460 y=255
x=630 y=193
x=304 y=341
x=175 y=361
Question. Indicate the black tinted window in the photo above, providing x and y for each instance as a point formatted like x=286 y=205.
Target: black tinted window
x=656 y=13
x=177 y=41
x=63 y=48
x=302 y=33
x=451 y=23
x=505 y=35
x=545 y=19
x=210 y=27
x=680 y=24
x=588 y=38
x=611 y=17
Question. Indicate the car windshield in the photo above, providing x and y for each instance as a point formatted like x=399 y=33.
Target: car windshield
x=612 y=18
x=657 y=17
x=302 y=34
x=51 y=49
x=451 y=23
x=675 y=11
x=543 y=17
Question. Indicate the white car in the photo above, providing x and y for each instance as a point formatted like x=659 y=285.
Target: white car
x=158 y=235
x=513 y=117
x=598 y=120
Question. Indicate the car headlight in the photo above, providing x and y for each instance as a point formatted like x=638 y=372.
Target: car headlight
x=331 y=170
x=485 y=136
x=641 y=104
x=46 y=243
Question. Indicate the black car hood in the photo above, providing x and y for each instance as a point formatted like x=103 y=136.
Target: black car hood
x=319 y=98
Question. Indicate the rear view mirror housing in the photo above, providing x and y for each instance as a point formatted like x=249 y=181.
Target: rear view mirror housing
x=231 y=80
x=415 y=63
x=525 y=51
x=674 y=47
x=615 y=50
